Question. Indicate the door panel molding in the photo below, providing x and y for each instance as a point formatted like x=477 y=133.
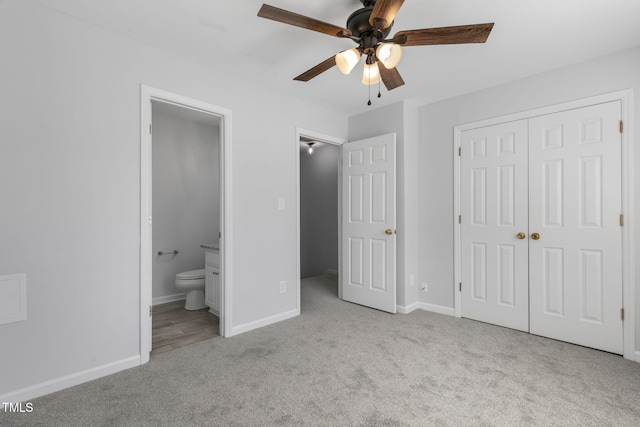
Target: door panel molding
x=626 y=99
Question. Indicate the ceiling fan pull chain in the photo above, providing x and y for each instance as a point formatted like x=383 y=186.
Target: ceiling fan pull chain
x=379 y=95
x=369 y=76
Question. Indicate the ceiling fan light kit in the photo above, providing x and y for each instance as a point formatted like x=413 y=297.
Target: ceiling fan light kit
x=369 y=27
x=347 y=60
x=389 y=54
x=371 y=74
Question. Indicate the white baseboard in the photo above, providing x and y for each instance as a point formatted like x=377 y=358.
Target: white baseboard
x=402 y=309
x=51 y=386
x=638 y=356
x=440 y=309
x=263 y=322
x=448 y=311
x=168 y=298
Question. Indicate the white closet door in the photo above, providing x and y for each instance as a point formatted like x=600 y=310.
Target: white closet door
x=574 y=206
x=493 y=202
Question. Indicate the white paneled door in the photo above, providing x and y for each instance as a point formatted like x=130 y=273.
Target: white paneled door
x=369 y=222
x=541 y=242
x=575 y=246
x=494 y=256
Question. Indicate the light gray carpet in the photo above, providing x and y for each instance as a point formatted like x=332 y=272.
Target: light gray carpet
x=340 y=364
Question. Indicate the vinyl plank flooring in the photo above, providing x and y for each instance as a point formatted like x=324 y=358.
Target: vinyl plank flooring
x=174 y=327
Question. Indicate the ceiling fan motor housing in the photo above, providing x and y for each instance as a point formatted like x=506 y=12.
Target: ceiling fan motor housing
x=358 y=24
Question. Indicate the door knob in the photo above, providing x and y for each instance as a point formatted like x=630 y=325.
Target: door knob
x=389 y=231
x=535 y=236
x=521 y=235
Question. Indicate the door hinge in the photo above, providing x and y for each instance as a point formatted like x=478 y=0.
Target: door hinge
x=149 y=220
x=459 y=219
x=149 y=128
x=150 y=310
x=622 y=314
x=621 y=126
x=460 y=151
x=460 y=287
x=621 y=220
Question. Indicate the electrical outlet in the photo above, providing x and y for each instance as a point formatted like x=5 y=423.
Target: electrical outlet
x=425 y=287
x=283 y=286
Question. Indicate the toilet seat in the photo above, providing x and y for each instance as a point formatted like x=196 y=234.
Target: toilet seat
x=191 y=275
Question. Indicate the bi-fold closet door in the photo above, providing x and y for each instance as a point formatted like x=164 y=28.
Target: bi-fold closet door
x=540 y=235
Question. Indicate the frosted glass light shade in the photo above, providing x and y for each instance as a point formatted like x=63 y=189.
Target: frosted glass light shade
x=389 y=54
x=370 y=74
x=347 y=60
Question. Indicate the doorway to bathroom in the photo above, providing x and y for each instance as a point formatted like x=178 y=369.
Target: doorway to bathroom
x=186 y=216
x=184 y=205
x=319 y=207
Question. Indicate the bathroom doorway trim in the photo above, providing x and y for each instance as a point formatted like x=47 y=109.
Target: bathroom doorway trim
x=301 y=132
x=148 y=94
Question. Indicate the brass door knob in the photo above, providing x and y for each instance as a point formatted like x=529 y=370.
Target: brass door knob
x=389 y=231
x=535 y=236
x=521 y=235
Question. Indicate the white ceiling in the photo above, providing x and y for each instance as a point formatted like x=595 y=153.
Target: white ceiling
x=529 y=37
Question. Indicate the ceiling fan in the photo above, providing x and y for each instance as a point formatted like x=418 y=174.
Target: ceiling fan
x=369 y=27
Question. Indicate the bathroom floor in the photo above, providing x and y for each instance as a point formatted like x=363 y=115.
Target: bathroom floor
x=174 y=327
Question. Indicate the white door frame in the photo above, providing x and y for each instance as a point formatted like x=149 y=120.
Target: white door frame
x=148 y=94
x=628 y=290
x=300 y=132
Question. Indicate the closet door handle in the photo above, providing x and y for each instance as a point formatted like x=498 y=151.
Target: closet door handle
x=535 y=236
x=521 y=235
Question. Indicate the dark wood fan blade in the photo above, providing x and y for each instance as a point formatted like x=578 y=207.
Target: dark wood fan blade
x=384 y=12
x=391 y=78
x=284 y=16
x=444 y=35
x=317 y=70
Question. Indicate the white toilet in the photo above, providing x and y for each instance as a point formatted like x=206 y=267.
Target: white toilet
x=192 y=283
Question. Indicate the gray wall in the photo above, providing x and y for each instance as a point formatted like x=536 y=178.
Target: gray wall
x=436 y=121
x=319 y=210
x=70 y=186
x=186 y=194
